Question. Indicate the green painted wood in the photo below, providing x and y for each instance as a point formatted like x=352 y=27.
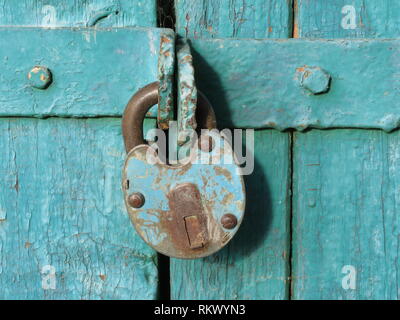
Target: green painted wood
x=346 y=203
x=270 y=73
x=255 y=265
x=345 y=196
x=347 y=19
x=62 y=206
x=95 y=72
x=81 y=13
x=234 y=19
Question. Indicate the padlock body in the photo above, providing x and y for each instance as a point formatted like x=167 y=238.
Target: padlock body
x=186 y=205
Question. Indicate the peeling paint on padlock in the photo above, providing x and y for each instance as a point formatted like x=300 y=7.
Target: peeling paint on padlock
x=184 y=215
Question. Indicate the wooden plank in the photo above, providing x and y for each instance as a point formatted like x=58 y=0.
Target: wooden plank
x=347 y=19
x=62 y=211
x=346 y=224
x=234 y=19
x=345 y=195
x=277 y=96
x=64 y=231
x=95 y=72
x=78 y=13
x=255 y=263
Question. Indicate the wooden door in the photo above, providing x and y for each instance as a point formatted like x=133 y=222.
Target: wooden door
x=62 y=233
x=322 y=220
x=256 y=264
x=345 y=182
x=321 y=215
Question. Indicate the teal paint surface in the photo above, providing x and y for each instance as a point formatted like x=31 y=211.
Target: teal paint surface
x=255 y=265
x=348 y=19
x=87 y=81
x=345 y=182
x=62 y=207
x=345 y=196
x=218 y=179
x=78 y=13
x=257 y=83
x=234 y=19
x=346 y=222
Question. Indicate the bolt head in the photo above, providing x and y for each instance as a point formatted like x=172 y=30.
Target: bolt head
x=40 y=77
x=315 y=80
x=136 y=200
x=229 y=221
x=206 y=143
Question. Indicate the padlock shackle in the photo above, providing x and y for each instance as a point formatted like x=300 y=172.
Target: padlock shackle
x=143 y=100
x=135 y=111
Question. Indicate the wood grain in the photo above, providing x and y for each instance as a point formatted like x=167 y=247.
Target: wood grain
x=234 y=19
x=78 y=13
x=95 y=72
x=345 y=205
x=347 y=19
x=62 y=205
x=345 y=197
x=255 y=265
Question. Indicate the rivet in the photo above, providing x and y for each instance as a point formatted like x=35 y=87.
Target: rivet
x=206 y=143
x=136 y=200
x=40 y=77
x=229 y=221
x=315 y=80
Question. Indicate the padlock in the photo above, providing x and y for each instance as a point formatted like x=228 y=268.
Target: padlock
x=187 y=210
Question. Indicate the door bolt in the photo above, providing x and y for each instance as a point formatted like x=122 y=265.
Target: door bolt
x=136 y=200
x=314 y=79
x=229 y=221
x=40 y=77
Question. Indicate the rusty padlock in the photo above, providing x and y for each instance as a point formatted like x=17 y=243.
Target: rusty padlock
x=188 y=210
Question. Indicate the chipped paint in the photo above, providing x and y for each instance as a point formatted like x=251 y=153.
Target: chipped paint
x=166 y=70
x=279 y=95
x=160 y=224
x=100 y=82
x=187 y=93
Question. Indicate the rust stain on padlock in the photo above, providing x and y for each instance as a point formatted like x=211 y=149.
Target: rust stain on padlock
x=184 y=219
x=195 y=232
x=184 y=203
x=188 y=227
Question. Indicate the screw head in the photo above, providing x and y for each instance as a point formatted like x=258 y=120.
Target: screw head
x=206 y=143
x=40 y=77
x=229 y=221
x=315 y=80
x=136 y=200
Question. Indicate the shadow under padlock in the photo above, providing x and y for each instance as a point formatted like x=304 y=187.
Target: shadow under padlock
x=188 y=210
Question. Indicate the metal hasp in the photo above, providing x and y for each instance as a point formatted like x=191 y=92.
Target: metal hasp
x=307 y=88
x=190 y=209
